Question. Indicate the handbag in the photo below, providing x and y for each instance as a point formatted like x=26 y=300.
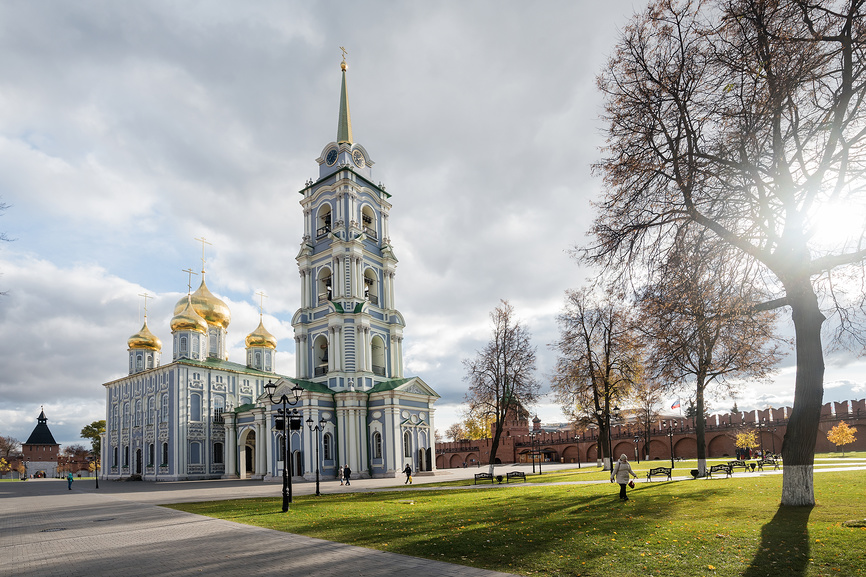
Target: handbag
x=631 y=484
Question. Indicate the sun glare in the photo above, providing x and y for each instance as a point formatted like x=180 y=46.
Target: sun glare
x=839 y=226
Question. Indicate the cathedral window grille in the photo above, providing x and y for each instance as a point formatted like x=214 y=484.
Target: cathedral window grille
x=195 y=407
x=218 y=453
x=377 y=445
x=137 y=413
x=327 y=447
x=407 y=444
x=195 y=453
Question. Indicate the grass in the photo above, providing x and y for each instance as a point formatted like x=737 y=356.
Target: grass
x=686 y=528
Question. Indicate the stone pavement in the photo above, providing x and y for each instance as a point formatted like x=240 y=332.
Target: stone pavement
x=49 y=531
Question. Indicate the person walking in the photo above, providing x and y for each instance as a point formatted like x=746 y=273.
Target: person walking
x=620 y=473
x=408 y=472
x=347 y=472
x=340 y=474
x=69 y=480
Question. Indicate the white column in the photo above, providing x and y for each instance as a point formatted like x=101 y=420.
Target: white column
x=367 y=340
x=230 y=448
x=338 y=340
x=392 y=356
x=331 y=349
x=360 y=353
x=262 y=441
x=391 y=291
x=399 y=357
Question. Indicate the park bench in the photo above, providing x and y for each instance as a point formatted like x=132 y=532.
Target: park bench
x=666 y=471
x=734 y=464
x=763 y=462
x=482 y=477
x=515 y=475
x=716 y=468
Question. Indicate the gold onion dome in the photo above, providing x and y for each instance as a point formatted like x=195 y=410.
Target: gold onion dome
x=261 y=338
x=144 y=339
x=188 y=319
x=207 y=306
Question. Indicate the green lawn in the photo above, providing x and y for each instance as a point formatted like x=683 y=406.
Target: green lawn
x=685 y=528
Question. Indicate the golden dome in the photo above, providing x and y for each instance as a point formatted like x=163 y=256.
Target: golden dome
x=261 y=338
x=144 y=339
x=210 y=308
x=188 y=319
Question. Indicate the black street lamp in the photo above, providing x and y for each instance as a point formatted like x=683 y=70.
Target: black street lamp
x=671 y=438
x=318 y=428
x=532 y=449
x=637 y=446
x=773 y=438
x=577 y=442
x=761 y=435
x=270 y=389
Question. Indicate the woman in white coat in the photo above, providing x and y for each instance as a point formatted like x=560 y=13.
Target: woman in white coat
x=620 y=473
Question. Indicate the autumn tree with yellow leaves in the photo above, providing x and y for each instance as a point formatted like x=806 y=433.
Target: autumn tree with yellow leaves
x=842 y=435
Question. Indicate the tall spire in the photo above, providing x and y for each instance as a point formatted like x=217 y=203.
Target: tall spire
x=344 y=126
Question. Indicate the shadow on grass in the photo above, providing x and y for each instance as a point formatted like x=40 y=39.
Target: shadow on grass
x=784 y=547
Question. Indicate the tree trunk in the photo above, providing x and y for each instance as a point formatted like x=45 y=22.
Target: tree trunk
x=494 y=446
x=700 y=428
x=798 y=446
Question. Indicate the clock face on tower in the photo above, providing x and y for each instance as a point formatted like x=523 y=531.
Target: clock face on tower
x=332 y=157
x=358 y=157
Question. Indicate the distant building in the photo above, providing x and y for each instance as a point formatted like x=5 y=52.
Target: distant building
x=40 y=452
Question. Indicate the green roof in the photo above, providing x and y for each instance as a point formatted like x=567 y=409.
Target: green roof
x=389 y=385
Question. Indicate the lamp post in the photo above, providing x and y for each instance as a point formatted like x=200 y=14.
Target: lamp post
x=773 y=438
x=577 y=442
x=761 y=435
x=318 y=428
x=637 y=446
x=671 y=439
x=532 y=449
x=270 y=389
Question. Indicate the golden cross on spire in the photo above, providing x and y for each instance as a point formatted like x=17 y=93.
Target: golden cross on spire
x=189 y=284
x=344 y=53
x=146 y=296
x=203 y=242
x=262 y=296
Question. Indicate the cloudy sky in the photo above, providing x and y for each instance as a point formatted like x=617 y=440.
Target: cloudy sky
x=129 y=129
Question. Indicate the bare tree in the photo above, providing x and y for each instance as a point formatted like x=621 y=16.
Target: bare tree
x=455 y=432
x=646 y=397
x=502 y=375
x=701 y=330
x=599 y=359
x=744 y=118
x=9 y=447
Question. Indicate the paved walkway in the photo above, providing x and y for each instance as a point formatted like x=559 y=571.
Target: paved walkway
x=49 y=531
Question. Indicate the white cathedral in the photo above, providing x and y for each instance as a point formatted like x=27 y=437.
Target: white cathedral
x=202 y=416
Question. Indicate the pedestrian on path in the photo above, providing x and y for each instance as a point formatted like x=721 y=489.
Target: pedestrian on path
x=408 y=472
x=69 y=480
x=347 y=472
x=340 y=474
x=621 y=472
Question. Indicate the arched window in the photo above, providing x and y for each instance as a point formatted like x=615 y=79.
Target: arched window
x=150 y=455
x=126 y=456
x=138 y=413
x=258 y=359
x=267 y=360
x=323 y=221
x=126 y=414
x=218 y=453
x=320 y=356
x=164 y=454
x=368 y=222
x=371 y=286
x=115 y=421
x=377 y=445
x=151 y=408
x=323 y=286
x=183 y=349
x=114 y=457
x=327 y=444
x=377 y=355
x=165 y=407
x=149 y=361
x=139 y=363
x=195 y=453
x=195 y=407
x=407 y=444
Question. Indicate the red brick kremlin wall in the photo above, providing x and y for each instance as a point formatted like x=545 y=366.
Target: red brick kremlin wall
x=516 y=445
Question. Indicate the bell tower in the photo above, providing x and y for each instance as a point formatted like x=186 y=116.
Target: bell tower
x=348 y=332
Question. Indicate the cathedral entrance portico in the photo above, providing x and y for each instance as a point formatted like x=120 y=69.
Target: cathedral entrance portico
x=248 y=454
